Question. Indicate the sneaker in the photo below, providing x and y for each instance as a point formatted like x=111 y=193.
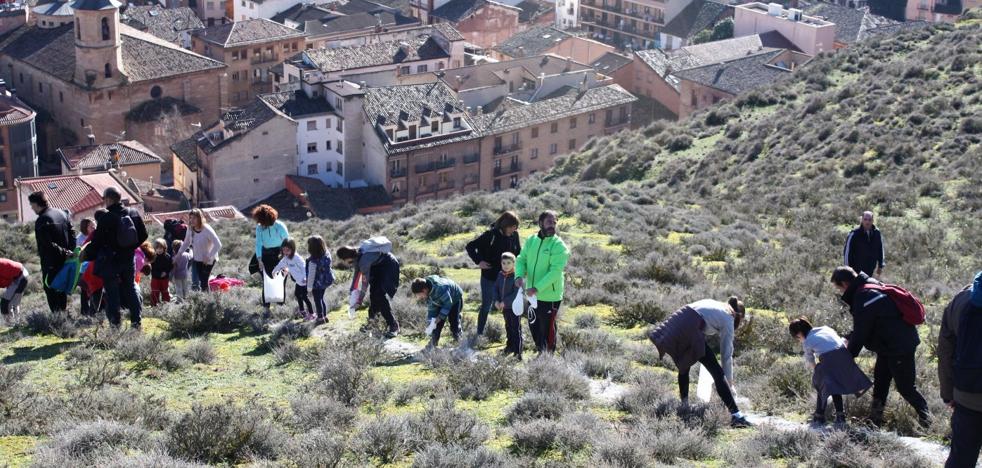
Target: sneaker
x=392 y=333
x=320 y=321
x=740 y=422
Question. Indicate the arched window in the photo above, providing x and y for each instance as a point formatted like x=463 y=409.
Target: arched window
x=108 y=71
x=78 y=29
x=105 y=29
x=156 y=92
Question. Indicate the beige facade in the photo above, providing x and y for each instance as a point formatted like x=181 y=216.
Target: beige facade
x=809 y=34
x=18 y=151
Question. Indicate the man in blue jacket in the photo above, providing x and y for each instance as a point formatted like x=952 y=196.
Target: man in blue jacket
x=864 y=248
x=444 y=301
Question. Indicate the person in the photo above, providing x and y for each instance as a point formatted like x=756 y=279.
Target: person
x=174 y=229
x=270 y=234
x=960 y=373
x=444 y=301
x=179 y=273
x=319 y=274
x=504 y=295
x=143 y=258
x=864 y=248
x=56 y=244
x=295 y=266
x=119 y=232
x=683 y=337
x=836 y=372
x=85 y=228
x=377 y=271
x=485 y=251
x=160 y=271
x=539 y=269
x=204 y=245
x=90 y=283
x=879 y=327
x=13 y=278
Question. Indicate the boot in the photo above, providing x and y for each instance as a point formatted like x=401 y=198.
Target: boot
x=739 y=422
x=840 y=422
x=924 y=419
x=876 y=412
x=818 y=420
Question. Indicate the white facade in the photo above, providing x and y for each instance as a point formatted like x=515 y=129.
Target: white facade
x=567 y=14
x=249 y=9
x=320 y=137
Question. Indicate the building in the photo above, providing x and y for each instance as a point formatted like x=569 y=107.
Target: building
x=212 y=213
x=635 y=24
x=938 y=11
x=697 y=16
x=242 y=158
x=18 y=152
x=158 y=197
x=540 y=40
x=809 y=34
x=567 y=14
x=484 y=23
x=173 y=25
x=709 y=84
x=98 y=78
x=81 y=195
x=342 y=24
x=54 y=14
x=320 y=135
x=211 y=12
x=249 y=48
x=618 y=67
x=184 y=164
x=326 y=202
x=130 y=157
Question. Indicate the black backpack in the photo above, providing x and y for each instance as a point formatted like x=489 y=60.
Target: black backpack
x=127 y=237
x=968 y=350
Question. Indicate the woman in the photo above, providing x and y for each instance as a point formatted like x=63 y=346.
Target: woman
x=683 y=336
x=270 y=234
x=204 y=245
x=486 y=252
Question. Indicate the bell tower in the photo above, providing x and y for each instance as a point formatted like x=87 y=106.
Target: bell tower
x=98 y=55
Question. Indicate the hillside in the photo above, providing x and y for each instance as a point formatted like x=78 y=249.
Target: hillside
x=752 y=198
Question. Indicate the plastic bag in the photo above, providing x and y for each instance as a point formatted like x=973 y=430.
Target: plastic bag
x=518 y=305
x=273 y=288
x=704 y=390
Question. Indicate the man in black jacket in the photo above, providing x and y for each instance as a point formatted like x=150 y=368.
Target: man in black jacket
x=114 y=262
x=486 y=252
x=56 y=243
x=879 y=327
x=864 y=248
x=959 y=373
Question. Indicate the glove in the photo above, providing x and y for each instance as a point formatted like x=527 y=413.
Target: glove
x=352 y=312
x=431 y=327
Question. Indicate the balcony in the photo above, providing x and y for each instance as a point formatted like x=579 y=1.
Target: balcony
x=472 y=158
x=508 y=169
x=505 y=149
x=398 y=172
x=435 y=188
x=435 y=165
x=262 y=58
x=618 y=121
x=472 y=179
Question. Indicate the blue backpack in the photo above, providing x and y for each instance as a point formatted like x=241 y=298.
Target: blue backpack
x=324 y=276
x=67 y=278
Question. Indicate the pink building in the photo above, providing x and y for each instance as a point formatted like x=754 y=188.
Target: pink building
x=809 y=34
x=938 y=11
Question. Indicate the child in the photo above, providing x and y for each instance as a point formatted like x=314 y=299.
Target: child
x=504 y=294
x=444 y=301
x=179 y=275
x=160 y=273
x=296 y=267
x=143 y=258
x=319 y=274
x=836 y=373
x=13 y=278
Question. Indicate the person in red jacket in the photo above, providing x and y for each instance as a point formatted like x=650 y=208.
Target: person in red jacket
x=13 y=278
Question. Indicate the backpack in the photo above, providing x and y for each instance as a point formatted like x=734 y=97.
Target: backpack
x=126 y=236
x=324 y=276
x=968 y=350
x=380 y=244
x=910 y=307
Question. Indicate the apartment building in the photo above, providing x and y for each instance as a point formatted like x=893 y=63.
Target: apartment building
x=633 y=24
x=540 y=40
x=320 y=135
x=938 y=11
x=809 y=34
x=342 y=24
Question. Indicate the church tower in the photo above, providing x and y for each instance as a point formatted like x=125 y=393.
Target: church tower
x=98 y=53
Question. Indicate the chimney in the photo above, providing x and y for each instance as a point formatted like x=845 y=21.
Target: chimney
x=794 y=3
x=584 y=85
x=569 y=64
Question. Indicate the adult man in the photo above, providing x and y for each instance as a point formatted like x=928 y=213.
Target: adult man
x=444 y=301
x=960 y=373
x=879 y=327
x=119 y=232
x=56 y=243
x=486 y=252
x=377 y=271
x=540 y=270
x=864 y=248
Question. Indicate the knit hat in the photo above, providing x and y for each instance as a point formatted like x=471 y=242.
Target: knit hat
x=977 y=290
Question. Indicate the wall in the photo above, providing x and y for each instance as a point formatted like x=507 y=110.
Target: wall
x=581 y=49
x=490 y=25
x=650 y=84
x=325 y=159
x=239 y=177
x=248 y=73
x=811 y=39
x=185 y=180
x=704 y=96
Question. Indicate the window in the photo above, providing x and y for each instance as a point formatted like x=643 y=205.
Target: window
x=327 y=122
x=514 y=139
x=311 y=125
x=554 y=127
x=534 y=153
x=235 y=76
x=40 y=88
x=255 y=157
x=3 y=197
x=293 y=46
x=61 y=96
x=693 y=100
x=340 y=151
x=340 y=126
x=498 y=142
x=235 y=55
x=421 y=68
x=108 y=71
x=286 y=47
x=553 y=149
x=78 y=30
x=456 y=123
x=338 y=102
x=328 y=167
x=82 y=122
x=535 y=132
x=572 y=144
x=572 y=122
x=439 y=65
x=311 y=169
x=327 y=145
x=513 y=182
x=311 y=147
x=435 y=126
x=592 y=118
x=105 y=29
x=404 y=70
x=340 y=168
x=21 y=77
x=497 y=185
x=156 y=92
x=255 y=181
x=257 y=52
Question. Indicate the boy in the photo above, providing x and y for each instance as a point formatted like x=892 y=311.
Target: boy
x=160 y=270
x=179 y=275
x=444 y=301
x=13 y=278
x=505 y=292
x=836 y=373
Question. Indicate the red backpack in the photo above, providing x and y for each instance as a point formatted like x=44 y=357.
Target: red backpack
x=910 y=307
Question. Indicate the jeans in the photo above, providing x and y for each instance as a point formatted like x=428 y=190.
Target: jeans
x=57 y=300
x=119 y=290
x=901 y=370
x=487 y=302
x=319 y=302
x=159 y=291
x=543 y=327
x=513 y=333
x=454 y=319
x=966 y=438
x=200 y=274
x=379 y=304
x=300 y=292
x=722 y=388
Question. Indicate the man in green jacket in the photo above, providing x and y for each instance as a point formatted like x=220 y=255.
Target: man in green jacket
x=539 y=270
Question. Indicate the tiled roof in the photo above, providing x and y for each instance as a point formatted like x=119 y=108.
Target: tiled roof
x=392 y=104
x=285 y=204
x=565 y=102
x=850 y=23
x=457 y=10
x=215 y=213
x=250 y=31
x=610 y=62
x=13 y=110
x=96 y=156
x=96 y=4
x=697 y=16
x=531 y=10
x=370 y=55
x=145 y=57
x=297 y=103
x=147 y=188
x=165 y=23
x=894 y=28
x=60 y=8
x=492 y=73
x=187 y=152
x=339 y=203
x=447 y=31
x=666 y=63
x=360 y=21
x=536 y=40
x=78 y=193
x=240 y=121
x=738 y=75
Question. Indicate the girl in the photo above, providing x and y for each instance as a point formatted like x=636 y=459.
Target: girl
x=319 y=274
x=13 y=278
x=836 y=373
x=296 y=267
x=179 y=275
x=270 y=234
x=504 y=294
x=160 y=274
x=204 y=245
x=683 y=336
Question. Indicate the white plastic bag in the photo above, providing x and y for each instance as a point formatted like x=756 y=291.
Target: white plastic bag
x=518 y=305
x=353 y=299
x=704 y=390
x=273 y=288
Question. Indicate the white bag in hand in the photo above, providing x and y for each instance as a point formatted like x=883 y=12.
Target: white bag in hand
x=273 y=288
x=353 y=300
x=704 y=390
x=518 y=305
x=431 y=327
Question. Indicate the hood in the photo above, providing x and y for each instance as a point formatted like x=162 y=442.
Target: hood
x=976 y=297
x=857 y=283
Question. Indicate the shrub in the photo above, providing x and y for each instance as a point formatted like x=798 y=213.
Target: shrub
x=710 y=418
x=796 y=444
x=288 y=331
x=590 y=340
x=587 y=321
x=206 y=313
x=601 y=366
x=550 y=375
x=478 y=378
x=670 y=439
x=154 y=458
x=621 y=452
x=148 y=351
x=312 y=411
x=26 y=410
x=535 y=436
x=838 y=450
x=223 y=433
x=99 y=372
x=286 y=352
x=84 y=443
x=649 y=391
x=535 y=405
x=386 y=438
x=199 y=351
x=344 y=366
x=114 y=404
x=452 y=456
x=43 y=322
x=443 y=423
x=322 y=448
x=494 y=332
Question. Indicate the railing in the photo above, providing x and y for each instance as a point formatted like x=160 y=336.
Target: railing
x=398 y=172
x=435 y=165
x=472 y=180
x=511 y=168
x=504 y=149
x=472 y=158
x=434 y=188
x=262 y=58
x=617 y=121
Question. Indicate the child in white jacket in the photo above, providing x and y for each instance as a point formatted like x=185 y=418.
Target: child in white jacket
x=296 y=267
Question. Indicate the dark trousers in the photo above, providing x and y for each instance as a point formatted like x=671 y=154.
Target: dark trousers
x=120 y=290
x=57 y=300
x=85 y=301
x=454 y=319
x=379 y=304
x=487 y=302
x=821 y=404
x=543 y=328
x=319 y=302
x=200 y=273
x=966 y=438
x=300 y=292
x=712 y=365
x=513 y=333
x=899 y=369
